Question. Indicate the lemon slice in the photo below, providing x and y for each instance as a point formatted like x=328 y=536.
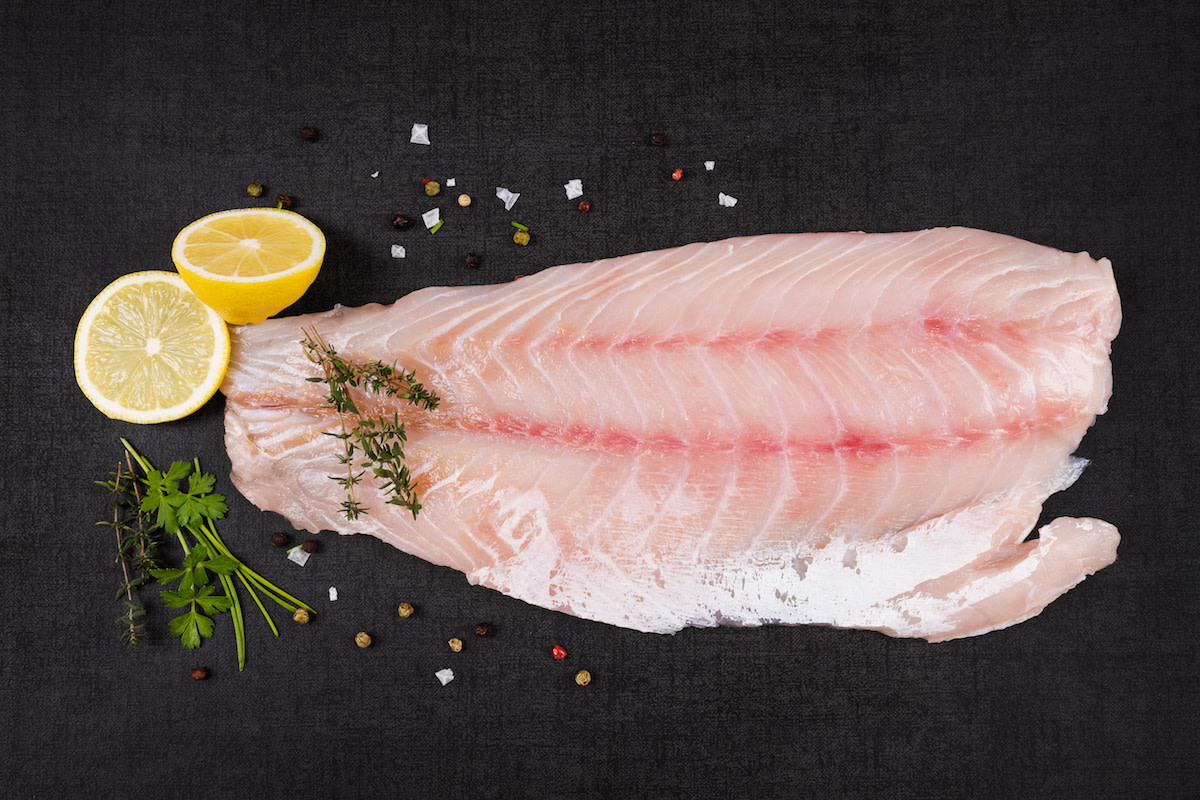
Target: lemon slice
x=249 y=263
x=147 y=350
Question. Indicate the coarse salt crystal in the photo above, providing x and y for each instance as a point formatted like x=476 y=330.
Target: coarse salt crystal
x=508 y=197
x=708 y=165
x=431 y=217
x=397 y=251
x=726 y=200
x=420 y=133
x=298 y=555
x=444 y=675
x=332 y=593
x=574 y=188
x=451 y=182
x=375 y=174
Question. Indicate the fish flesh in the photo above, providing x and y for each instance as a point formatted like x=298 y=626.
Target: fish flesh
x=848 y=429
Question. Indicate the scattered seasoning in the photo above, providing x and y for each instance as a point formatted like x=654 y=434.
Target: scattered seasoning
x=464 y=200
x=521 y=238
x=400 y=222
x=677 y=174
x=431 y=187
x=455 y=644
x=254 y=189
x=310 y=546
x=406 y=610
x=308 y=133
x=362 y=640
x=583 y=677
x=199 y=673
x=301 y=616
x=483 y=629
x=283 y=201
x=558 y=652
x=279 y=539
x=584 y=205
x=472 y=260
x=658 y=139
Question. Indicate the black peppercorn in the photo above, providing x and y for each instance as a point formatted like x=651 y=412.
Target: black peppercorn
x=658 y=139
x=309 y=546
x=472 y=260
x=284 y=201
x=199 y=673
x=279 y=539
x=308 y=133
x=483 y=629
x=400 y=222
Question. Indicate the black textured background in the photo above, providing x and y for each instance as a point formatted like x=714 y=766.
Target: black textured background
x=1071 y=124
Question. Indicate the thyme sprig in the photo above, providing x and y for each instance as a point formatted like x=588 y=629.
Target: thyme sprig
x=136 y=546
x=162 y=503
x=374 y=443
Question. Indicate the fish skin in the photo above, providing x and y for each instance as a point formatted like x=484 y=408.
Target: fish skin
x=856 y=430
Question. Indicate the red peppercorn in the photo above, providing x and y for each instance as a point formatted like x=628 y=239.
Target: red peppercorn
x=310 y=546
x=472 y=260
x=284 y=201
x=308 y=133
x=584 y=205
x=677 y=174
x=558 y=652
x=658 y=139
x=400 y=222
x=483 y=629
x=199 y=673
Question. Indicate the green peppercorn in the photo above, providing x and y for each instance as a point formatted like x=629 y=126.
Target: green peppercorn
x=432 y=188
x=362 y=640
x=583 y=677
x=301 y=616
x=455 y=644
x=407 y=610
x=254 y=189
x=521 y=238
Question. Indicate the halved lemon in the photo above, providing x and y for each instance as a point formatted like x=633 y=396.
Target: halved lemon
x=147 y=350
x=249 y=263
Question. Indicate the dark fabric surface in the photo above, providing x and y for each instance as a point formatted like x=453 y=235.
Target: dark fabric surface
x=1070 y=124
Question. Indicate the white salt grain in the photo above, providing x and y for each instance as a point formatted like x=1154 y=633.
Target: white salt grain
x=298 y=555
x=375 y=174
x=431 y=217
x=397 y=251
x=420 y=133
x=508 y=197
x=726 y=200
x=445 y=675
x=708 y=165
x=574 y=188
x=332 y=593
x=451 y=182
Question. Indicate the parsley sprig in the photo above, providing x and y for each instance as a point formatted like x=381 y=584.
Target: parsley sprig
x=175 y=509
x=374 y=443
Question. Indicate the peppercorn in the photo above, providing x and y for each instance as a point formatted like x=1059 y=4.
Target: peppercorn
x=254 y=189
x=521 y=238
x=284 y=201
x=199 y=673
x=583 y=677
x=658 y=139
x=558 y=652
x=464 y=200
x=483 y=629
x=431 y=187
x=301 y=616
x=362 y=640
x=310 y=546
x=472 y=260
x=279 y=539
x=584 y=205
x=455 y=644
x=308 y=133
x=406 y=610
x=677 y=174
x=400 y=222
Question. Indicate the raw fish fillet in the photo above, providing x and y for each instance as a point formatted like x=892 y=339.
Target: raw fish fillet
x=856 y=430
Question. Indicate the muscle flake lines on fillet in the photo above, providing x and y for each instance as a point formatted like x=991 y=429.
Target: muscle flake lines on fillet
x=780 y=428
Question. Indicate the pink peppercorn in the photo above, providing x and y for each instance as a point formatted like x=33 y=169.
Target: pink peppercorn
x=558 y=652
x=677 y=174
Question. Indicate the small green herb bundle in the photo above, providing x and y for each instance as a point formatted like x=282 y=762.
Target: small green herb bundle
x=376 y=442
x=136 y=546
x=157 y=500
